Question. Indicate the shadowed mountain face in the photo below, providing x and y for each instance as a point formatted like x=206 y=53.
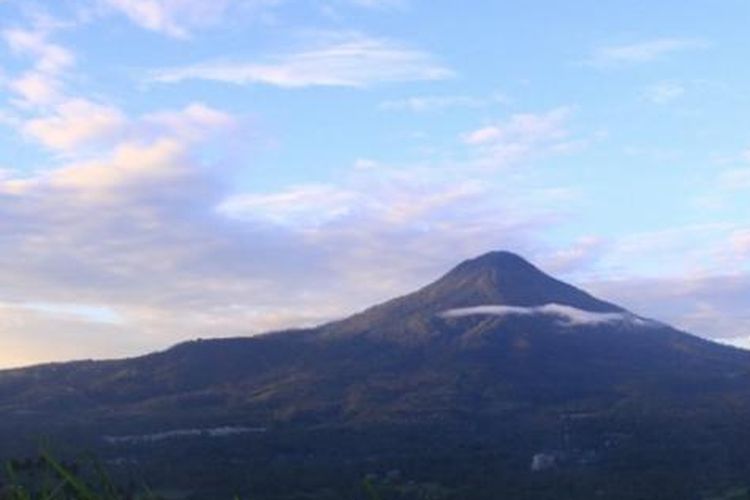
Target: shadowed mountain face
x=495 y=344
x=495 y=332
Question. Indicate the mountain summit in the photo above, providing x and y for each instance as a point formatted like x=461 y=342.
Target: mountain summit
x=504 y=278
x=494 y=279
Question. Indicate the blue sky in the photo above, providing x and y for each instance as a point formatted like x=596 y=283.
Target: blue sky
x=175 y=169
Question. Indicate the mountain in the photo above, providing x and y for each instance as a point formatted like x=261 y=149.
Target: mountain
x=493 y=364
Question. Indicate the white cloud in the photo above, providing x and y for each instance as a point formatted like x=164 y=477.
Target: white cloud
x=522 y=137
x=523 y=127
x=426 y=103
x=643 y=52
x=340 y=9
x=36 y=88
x=308 y=205
x=176 y=18
x=182 y=18
x=94 y=314
x=350 y=60
x=145 y=150
x=581 y=254
x=42 y=84
x=703 y=250
x=570 y=316
x=728 y=190
x=191 y=122
x=378 y=4
x=128 y=164
x=75 y=124
x=663 y=92
x=735 y=179
x=49 y=58
x=382 y=198
x=430 y=103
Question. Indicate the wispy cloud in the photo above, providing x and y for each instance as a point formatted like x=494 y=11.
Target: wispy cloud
x=136 y=156
x=180 y=19
x=727 y=191
x=736 y=179
x=348 y=60
x=522 y=137
x=42 y=83
x=663 y=92
x=643 y=52
x=582 y=253
x=175 y=18
x=310 y=205
x=75 y=123
x=42 y=109
x=94 y=314
x=340 y=9
x=36 y=88
x=438 y=214
x=49 y=57
x=426 y=103
x=378 y=4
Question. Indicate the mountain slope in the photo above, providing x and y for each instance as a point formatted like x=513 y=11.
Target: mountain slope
x=494 y=353
x=495 y=331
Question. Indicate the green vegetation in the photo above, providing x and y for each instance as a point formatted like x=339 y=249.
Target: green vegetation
x=46 y=478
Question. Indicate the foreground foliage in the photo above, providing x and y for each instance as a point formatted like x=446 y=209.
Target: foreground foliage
x=46 y=478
